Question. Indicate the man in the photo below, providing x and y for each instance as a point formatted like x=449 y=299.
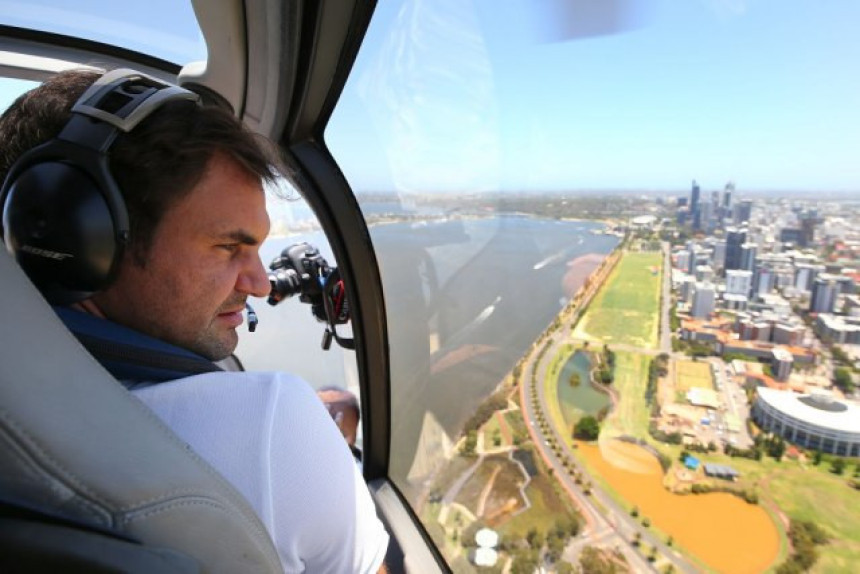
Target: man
x=343 y=407
x=191 y=179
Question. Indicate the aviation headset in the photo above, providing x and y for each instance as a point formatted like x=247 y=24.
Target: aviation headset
x=64 y=217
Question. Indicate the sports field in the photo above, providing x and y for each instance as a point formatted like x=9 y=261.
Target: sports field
x=627 y=308
x=690 y=374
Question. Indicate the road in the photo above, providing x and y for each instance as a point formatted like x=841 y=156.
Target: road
x=616 y=528
x=666 y=300
x=613 y=526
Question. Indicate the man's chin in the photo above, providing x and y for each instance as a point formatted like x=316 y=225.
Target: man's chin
x=217 y=349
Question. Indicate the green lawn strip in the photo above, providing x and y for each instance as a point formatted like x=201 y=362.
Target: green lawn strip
x=630 y=416
x=490 y=430
x=517 y=425
x=550 y=389
x=627 y=308
x=814 y=493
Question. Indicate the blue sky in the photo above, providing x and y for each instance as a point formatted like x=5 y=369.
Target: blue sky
x=475 y=95
x=457 y=95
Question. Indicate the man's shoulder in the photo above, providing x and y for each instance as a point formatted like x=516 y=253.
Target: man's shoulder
x=234 y=384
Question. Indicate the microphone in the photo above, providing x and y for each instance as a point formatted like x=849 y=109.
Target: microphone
x=252 y=317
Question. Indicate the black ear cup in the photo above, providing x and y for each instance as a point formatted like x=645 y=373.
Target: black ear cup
x=64 y=217
x=58 y=224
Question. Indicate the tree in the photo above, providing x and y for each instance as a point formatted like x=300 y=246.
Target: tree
x=586 y=428
x=816 y=458
x=842 y=379
x=837 y=466
x=593 y=560
x=470 y=443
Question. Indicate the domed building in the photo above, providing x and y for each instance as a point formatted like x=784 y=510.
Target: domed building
x=816 y=421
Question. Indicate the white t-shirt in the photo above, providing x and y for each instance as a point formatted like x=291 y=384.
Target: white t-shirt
x=271 y=437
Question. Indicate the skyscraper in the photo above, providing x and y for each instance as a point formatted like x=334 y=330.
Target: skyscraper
x=825 y=290
x=727 y=197
x=703 y=300
x=748 y=253
x=743 y=211
x=735 y=237
x=695 y=213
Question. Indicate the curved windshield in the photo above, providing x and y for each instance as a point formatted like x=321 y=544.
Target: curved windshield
x=608 y=233
x=166 y=29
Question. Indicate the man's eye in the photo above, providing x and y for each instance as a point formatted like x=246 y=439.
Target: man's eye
x=229 y=247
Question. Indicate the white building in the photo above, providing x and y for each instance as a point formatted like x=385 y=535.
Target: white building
x=703 y=300
x=815 y=421
x=738 y=282
x=781 y=363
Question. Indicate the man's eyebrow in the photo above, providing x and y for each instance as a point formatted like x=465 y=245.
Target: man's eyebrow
x=240 y=236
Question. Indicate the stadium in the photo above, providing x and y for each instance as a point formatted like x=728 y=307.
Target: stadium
x=816 y=421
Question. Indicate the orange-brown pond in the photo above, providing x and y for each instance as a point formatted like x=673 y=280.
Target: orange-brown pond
x=720 y=529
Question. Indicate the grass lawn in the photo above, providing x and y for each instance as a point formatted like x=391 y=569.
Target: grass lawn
x=630 y=416
x=547 y=508
x=517 y=425
x=805 y=492
x=689 y=374
x=550 y=389
x=491 y=430
x=627 y=308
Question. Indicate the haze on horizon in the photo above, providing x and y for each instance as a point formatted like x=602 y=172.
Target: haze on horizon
x=455 y=97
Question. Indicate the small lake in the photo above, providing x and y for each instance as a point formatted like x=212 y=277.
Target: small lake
x=583 y=399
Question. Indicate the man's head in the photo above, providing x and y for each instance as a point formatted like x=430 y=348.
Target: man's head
x=191 y=177
x=344 y=409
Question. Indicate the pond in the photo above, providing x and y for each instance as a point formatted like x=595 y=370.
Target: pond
x=582 y=399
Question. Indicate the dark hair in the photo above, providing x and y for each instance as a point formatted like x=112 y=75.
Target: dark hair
x=349 y=398
x=157 y=163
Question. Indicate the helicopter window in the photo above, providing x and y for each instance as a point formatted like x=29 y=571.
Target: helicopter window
x=524 y=170
x=139 y=26
x=289 y=335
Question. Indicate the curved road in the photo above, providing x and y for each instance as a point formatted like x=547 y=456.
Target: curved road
x=616 y=524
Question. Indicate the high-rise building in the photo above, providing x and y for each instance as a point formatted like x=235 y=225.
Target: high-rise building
x=793 y=236
x=825 y=290
x=727 y=197
x=805 y=274
x=706 y=217
x=748 y=253
x=763 y=281
x=743 y=211
x=695 y=214
x=703 y=300
x=781 y=363
x=735 y=237
x=808 y=222
x=718 y=258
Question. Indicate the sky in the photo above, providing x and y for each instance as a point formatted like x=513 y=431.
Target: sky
x=481 y=95
x=533 y=95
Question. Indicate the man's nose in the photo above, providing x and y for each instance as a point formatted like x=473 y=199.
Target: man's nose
x=255 y=279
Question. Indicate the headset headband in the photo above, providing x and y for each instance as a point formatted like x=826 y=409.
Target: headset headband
x=64 y=216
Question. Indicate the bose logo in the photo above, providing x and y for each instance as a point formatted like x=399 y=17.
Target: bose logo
x=46 y=253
